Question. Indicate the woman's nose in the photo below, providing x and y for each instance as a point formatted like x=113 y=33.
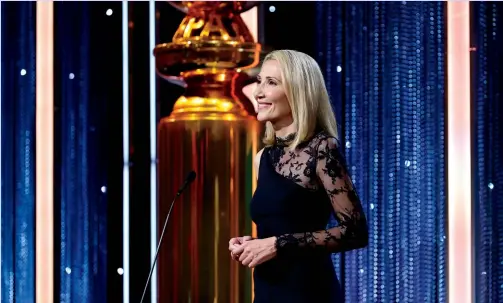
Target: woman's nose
x=258 y=94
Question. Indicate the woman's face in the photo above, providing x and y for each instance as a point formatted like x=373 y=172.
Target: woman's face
x=270 y=95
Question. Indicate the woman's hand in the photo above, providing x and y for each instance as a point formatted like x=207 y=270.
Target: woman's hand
x=254 y=252
x=235 y=242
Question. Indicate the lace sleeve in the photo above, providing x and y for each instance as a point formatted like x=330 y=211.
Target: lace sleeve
x=352 y=231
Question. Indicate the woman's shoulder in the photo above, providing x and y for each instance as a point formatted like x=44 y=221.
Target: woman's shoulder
x=258 y=155
x=323 y=140
x=256 y=160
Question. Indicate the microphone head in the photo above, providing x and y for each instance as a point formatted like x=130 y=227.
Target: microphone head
x=191 y=176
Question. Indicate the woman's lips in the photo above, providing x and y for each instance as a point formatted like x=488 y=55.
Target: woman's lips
x=264 y=105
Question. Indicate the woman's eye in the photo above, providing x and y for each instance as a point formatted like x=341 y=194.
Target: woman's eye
x=271 y=82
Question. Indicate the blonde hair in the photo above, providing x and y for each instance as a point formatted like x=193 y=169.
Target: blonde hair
x=307 y=95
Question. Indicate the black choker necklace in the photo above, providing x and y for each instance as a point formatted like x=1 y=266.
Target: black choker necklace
x=284 y=141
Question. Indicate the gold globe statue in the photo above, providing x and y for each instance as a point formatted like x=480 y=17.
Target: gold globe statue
x=209 y=53
x=212 y=130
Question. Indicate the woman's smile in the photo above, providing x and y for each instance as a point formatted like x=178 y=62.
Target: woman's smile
x=264 y=105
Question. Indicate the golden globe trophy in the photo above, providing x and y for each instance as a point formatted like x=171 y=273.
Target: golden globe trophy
x=212 y=130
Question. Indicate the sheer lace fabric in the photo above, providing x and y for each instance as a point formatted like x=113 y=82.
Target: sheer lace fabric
x=314 y=165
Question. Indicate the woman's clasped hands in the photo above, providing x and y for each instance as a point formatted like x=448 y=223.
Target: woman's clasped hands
x=252 y=252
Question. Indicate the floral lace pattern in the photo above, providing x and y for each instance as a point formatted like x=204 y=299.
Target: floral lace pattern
x=314 y=164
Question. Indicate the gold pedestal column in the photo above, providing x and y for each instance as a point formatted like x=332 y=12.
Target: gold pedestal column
x=213 y=131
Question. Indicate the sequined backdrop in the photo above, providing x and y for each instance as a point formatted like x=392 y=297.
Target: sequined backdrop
x=384 y=63
x=82 y=203
x=18 y=152
x=87 y=40
x=487 y=128
x=385 y=69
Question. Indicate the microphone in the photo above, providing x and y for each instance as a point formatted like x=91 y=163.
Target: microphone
x=189 y=179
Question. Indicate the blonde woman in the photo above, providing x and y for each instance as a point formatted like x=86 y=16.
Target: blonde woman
x=302 y=179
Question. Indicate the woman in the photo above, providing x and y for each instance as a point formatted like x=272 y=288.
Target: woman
x=302 y=179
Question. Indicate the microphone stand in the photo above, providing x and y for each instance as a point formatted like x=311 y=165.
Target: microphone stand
x=188 y=180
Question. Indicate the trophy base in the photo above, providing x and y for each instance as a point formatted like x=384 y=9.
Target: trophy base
x=213 y=94
x=207 y=109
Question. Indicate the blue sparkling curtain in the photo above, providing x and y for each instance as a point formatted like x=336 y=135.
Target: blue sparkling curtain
x=384 y=63
x=79 y=163
x=17 y=177
x=487 y=128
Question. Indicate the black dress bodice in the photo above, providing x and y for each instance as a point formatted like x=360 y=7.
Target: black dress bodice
x=296 y=193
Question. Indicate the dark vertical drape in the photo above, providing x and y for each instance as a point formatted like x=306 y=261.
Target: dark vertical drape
x=487 y=151
x=17 y=178
x=384 y=63
x=140 y=186
x=81 y=149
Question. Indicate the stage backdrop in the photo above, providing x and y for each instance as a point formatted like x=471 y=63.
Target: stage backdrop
x=17 y=150
x=385 y=69
x=87 y=151
x=79 y=170
x=384 y=63
x=487 y=151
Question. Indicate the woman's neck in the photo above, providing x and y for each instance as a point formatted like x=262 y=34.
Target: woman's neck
x=282 y=130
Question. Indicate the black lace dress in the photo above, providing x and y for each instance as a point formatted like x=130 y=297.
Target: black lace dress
x=296 y=193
